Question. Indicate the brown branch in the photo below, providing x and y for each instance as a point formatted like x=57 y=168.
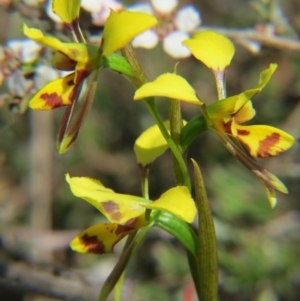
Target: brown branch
x=21 y=279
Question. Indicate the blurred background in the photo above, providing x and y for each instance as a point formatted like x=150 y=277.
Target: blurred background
x=259 y=247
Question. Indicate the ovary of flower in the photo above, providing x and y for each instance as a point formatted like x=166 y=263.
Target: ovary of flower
x=172 y=28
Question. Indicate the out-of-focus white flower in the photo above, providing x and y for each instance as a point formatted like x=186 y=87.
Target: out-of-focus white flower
x=173 y=27
x=164 y=6
x=187 y=18
x=142 y=7
x=33 y=2
x=27 y=51
x=172 y=44
x=44 y=74
x=148 y=39
x=99 y=9
x=17 y=84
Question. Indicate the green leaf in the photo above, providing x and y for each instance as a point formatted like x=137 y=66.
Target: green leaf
x=207 y=252
x=191 y=131
x=117 y=63
x=176 y=227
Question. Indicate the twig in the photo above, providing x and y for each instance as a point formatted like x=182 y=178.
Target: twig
x=21 y=278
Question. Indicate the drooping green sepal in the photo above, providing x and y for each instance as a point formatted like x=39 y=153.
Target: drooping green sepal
x=191 y=131
x=118 y=63
x=178 y=228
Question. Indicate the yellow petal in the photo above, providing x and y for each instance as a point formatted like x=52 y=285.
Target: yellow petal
x=211 y=48
x=150 y=145
x=38 y=36
x=101 y=239
x=228 y=107
x=121 y=27
x=245 y=114
x=263 y=80
x=67 y=10
x=57 y=93
x=78 y=52
x=264 y=141
x=221 y=112
x=168 y=85
x=118 y=208
x=178 y=201
x=270 y=183
x=271 y=194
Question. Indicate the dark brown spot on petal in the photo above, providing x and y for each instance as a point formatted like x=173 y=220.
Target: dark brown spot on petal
x=227 y=127
x=93 y=244
x=243 y=132
x=130 y=222
x=266 y=145
x=53 y=100
x=112 y=209
x=110 y=206
x=81 y=75
x=124 y=229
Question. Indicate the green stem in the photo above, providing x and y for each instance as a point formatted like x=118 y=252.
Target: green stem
x=130 y=247
x=175 y=130
x=175 y=150
x=141 y=79
x=220 y=82
x=76 y=32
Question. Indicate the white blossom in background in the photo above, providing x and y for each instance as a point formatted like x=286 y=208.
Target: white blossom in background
x=99 y=10
x=175 y=25
x=44 y=74
x=21 y=72
x=27 y=51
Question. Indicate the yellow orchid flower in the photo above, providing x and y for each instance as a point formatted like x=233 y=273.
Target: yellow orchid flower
x=211 y=48
x=225 y=117
x=215 y=51
x=83 y=61
x=126 y=213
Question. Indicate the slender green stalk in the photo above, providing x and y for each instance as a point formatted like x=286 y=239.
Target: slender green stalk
x=76 y=32
x=129 y=248
x=207 y=248
x=175 y=150
x=220 y=82
x=141 y=79
x=175 y=130
x=145 y=181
